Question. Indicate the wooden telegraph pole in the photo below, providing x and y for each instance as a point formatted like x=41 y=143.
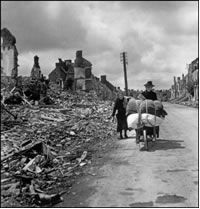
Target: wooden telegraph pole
x=124 y=59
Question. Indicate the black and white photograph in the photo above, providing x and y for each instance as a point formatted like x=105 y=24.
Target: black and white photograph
x=99 y=104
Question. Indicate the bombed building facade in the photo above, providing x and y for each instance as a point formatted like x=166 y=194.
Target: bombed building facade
x=82 y=72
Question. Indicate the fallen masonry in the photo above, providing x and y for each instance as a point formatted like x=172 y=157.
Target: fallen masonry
x=47 y=145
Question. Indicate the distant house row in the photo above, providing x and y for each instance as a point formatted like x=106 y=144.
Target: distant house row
x=78 y=75
x=66 y=71
x=187 y=84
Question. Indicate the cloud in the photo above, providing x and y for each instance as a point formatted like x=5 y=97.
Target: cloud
x=43 y=25
x=159 y=37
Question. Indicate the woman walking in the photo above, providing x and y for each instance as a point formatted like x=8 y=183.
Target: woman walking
x=120 y=106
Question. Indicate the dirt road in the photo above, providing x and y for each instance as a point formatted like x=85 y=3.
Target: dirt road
x=166 y=176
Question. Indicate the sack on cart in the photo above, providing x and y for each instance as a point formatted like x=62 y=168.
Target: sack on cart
x=148 y=120
x=153 y=108
x=160 y=112
x=133 y=106
x=132 y=120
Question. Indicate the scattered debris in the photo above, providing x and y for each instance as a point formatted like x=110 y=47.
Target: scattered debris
x=50 y=144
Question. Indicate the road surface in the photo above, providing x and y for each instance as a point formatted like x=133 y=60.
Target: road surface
x=166 y=176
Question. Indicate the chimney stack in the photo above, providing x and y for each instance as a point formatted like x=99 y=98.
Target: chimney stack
x=79 y=54
x=103 y=78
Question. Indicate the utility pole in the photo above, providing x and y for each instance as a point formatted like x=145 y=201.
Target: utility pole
x=124 y=59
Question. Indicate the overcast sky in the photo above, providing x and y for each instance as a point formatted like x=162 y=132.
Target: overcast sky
x=159 y=37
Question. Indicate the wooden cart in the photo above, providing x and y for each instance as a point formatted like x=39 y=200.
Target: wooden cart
x=146 y=134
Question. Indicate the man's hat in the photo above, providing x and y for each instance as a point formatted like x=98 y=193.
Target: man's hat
x=149 y=83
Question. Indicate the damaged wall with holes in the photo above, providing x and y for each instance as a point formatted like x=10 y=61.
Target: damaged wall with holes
x=82 y=73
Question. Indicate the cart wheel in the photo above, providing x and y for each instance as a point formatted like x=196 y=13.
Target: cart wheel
x=137 y=137
x=145 y=139
x=154 y=138
x=157 y=131
x=154 y=134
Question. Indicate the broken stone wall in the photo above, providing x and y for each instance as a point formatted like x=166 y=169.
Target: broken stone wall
x=79 y=76
x=83 y=79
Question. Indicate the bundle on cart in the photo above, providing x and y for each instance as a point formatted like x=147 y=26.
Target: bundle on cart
x=149 y=113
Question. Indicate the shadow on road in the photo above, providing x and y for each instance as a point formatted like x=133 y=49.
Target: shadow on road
x=163 y=144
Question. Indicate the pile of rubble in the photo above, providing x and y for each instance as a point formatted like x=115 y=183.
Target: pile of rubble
x=185 y=100
x=46 y=145
x=190 y=103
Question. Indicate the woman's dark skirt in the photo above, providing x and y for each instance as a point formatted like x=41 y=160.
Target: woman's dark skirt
x=121 y=123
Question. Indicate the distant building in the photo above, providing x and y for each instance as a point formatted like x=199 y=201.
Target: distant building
x=63 y=74
x=9 y=54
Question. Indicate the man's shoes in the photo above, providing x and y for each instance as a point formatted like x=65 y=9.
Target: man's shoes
x=126 y=137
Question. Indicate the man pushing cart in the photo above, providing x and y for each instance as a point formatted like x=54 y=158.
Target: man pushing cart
x=145 y=116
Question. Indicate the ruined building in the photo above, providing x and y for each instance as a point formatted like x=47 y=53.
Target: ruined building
x=63 y=74
x=9 y=54
x=179 y=88
x=188 y=84
x=82 y=73
x=78 y=76
x=36 y=72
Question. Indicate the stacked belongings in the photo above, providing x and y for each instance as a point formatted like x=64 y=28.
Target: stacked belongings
x=133 y=106
x=149 y=113
x=132 y=111
x=152 y=113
